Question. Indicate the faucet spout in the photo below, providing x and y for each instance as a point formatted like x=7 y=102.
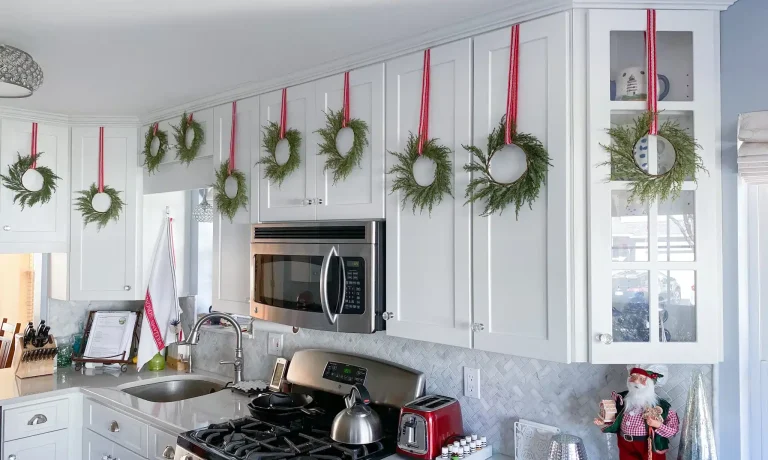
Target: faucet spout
x=194 y=337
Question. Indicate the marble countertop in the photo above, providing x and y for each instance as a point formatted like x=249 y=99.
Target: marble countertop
x=174 y=417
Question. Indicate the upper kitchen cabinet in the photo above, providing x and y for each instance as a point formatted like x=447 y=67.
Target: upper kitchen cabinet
x=361 y=194
x=42 y=227
x=172 y=175
x=655 y=269
x=428 y=261
x=521 y=264
x=294 y=199
x=105 y=264
x=231 y=239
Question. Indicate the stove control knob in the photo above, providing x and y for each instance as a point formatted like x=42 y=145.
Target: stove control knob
x=169 y=452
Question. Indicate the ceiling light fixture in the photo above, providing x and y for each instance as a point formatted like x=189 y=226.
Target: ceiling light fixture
x=203 y=212
x=20 y=75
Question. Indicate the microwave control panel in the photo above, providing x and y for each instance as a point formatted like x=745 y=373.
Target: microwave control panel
x=354 y=300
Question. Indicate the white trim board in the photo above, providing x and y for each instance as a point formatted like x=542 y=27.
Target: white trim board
x=68 y=120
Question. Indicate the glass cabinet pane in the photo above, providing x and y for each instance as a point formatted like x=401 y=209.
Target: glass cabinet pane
x=677 y=306
x=676 y=229
x=674 y=60
x=629 y=229
x=631 y=317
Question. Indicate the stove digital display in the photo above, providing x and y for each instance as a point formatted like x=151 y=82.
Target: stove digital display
x=344 y=373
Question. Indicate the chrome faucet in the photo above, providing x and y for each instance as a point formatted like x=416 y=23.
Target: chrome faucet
x=194 y=337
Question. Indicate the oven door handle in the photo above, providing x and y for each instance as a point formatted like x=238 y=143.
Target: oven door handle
x=324 y=285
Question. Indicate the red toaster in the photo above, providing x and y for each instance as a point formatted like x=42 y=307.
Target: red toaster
x=426 y=424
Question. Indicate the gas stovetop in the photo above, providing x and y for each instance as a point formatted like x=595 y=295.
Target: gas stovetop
x=249 y=438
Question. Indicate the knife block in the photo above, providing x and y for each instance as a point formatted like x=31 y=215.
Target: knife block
x=35 y=368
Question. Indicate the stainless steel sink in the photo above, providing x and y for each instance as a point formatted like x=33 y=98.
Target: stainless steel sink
x=173 y=390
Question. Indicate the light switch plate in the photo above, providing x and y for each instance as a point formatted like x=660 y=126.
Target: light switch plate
x=275 y=344
x=471 y=382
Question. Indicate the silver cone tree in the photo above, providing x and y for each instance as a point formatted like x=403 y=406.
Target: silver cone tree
x=697 y=437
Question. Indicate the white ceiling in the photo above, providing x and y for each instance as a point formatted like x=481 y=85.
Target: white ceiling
x=129 y=57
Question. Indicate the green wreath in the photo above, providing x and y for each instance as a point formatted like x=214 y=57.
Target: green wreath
x=84 y=204
x=647 y=187
x=28 y=197
x=226 y=205
x=497 y=195
x=273 y=170
x=152 y=162
x=422 y=196
x=342 y=165
x=183 y=153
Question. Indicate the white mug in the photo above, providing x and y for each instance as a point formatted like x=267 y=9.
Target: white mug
x=632 y=85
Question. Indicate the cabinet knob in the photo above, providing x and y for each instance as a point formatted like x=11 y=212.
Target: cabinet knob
x=255 y=309
x=7 y=228
x=477 y=327
x=606 y=339
x=126 y=288
x=308 y=202
x=114 y=427
x=319 y=201
x=11 y=457
x=387 y=315
x=169 y=452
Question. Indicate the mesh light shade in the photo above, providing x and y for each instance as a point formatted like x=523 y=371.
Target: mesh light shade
x=203 y=212
x=20 y=75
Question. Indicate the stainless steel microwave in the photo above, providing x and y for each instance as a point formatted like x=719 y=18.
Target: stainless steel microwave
x=320 y=275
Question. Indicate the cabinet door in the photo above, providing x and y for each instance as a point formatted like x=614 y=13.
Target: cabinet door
x=231 y=239
x=361 y=194
x=288 y=202
x=521 y=263
x=655 y=281
x=104 y=263
x=42 y=227
x=49 y=446
x=96 y=447
x=429 y=256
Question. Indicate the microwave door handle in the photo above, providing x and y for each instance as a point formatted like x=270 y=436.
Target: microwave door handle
x=324 y=286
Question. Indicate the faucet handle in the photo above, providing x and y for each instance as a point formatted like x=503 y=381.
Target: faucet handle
x=234 y=363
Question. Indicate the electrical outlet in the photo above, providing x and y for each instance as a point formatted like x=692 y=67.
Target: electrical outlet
x=472 y=382
x=275 y=344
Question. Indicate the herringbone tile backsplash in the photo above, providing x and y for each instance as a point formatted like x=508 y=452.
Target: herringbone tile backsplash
x=563 y=395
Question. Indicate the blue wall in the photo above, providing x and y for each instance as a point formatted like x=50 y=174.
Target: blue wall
x=744 y=83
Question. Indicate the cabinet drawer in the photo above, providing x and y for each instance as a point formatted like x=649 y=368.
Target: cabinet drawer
x=159 y=441
x=35 y=419
x=121 y=453
x=116 y=426
x=51 y=446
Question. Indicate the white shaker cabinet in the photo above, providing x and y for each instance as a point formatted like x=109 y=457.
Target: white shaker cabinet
x=49 y=446
x=105 y=264
x=42 y=227
x=521 y=265
x=428 y=261
x=290 y=200
x=361 y=195
x=231 y=239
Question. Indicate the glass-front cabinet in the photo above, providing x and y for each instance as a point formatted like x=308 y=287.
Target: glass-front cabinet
x=655 y=268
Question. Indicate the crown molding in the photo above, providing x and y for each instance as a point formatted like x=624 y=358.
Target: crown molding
x=63 y=119
x=717 y=5
x=519 y=12
x=105 y=120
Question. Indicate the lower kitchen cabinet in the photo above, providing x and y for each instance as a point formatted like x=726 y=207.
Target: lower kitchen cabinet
x=49 y=446
x=96 y=447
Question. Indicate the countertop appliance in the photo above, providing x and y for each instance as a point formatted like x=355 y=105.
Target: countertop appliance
x=323 y=378
x=319 y=275
x=426 y=424
x=358 y=423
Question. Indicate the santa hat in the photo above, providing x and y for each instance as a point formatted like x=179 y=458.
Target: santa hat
x=656 y=372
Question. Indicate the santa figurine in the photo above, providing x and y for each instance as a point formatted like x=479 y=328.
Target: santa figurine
x=643 y=423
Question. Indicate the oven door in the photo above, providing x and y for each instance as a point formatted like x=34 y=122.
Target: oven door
x=316 y=286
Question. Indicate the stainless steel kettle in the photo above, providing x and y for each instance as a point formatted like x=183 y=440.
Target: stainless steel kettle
x=358 y=423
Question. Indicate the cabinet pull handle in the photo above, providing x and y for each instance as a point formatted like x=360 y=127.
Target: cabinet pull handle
x=169 y=452
x=37 y=419
x=11 y=457
x=477 y=327
x=319 y=201
x=7 y=228
x=114 y=427
x=387 y=315
x=126 y=288
x=308 y=202
x=606 y=339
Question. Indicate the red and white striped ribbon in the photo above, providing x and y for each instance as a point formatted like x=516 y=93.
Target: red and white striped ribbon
x=284 y=113
x=101 y=159
x=512 y=83
x=653 y=80
x=424 y=113
x=232 y=139
x=345 y=104
x=33 y=153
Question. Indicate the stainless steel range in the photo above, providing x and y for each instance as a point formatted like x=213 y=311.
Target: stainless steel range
x=296 y=425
